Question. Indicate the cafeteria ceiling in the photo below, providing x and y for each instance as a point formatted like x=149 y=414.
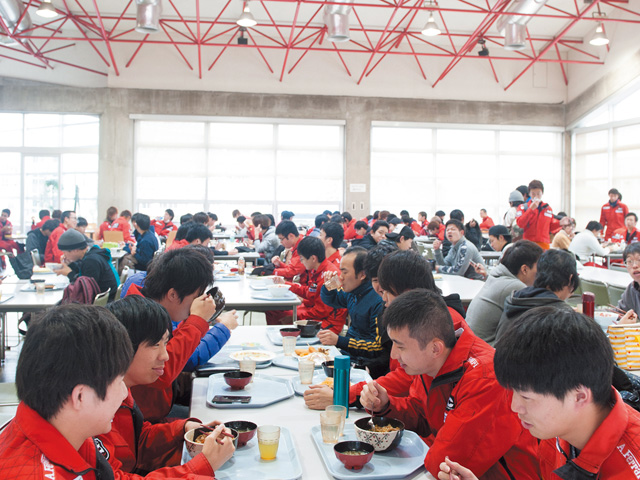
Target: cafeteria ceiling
x=93 y=43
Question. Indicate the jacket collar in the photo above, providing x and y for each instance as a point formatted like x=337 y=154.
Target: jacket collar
x=363 y=289
x=453 y=367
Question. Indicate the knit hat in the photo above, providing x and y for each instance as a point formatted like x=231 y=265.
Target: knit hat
x=516 y=196
x=72 y=240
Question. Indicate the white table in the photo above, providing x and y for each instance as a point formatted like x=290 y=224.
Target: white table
x=463 y=286
x=609 y=277
x=248 y=256
x=291 y=413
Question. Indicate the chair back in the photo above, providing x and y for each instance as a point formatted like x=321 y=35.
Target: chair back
x=615 y=294
x=35 y=257
x=599 y=289
x=119 y=291
x=125 y=274
x=618 y=267
x=115 y=236
x=102 y=299
x=171 y=237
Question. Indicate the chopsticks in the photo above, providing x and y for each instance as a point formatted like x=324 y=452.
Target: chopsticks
x=209 y=429
x=617 y=310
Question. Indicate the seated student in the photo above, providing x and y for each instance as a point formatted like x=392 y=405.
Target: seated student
x=363 y=303
x=192 y=234
x=517 y=270
x=112 y=214
x=287 y=233
x=630 y=300
x=423 y=221
x=360 y=228
x=37 y=239
x=79 y=259
x=456 y=214
x=52 y=253
x=82 y=225
x=63 y=403
x=349 y=221
x=186 y=218
x=178 y=281
x=559 y=367
x=241 y=227
x=403 y=237
x=213 y=218
x=563 y=237
x=436 y=229
x=141 y=254
x=165 y=226
x=455 y=402
x=286 y=215
x=44 y=215
x=462 y=254
x=312 y=256
x=487 y=222
x=473 y=234
x=586 y=243
x=378 y=232
x=268 y=242
x=318 y=222
x=629 y=233
x=555 y=281
x=331 y=236
x=121 y=224
x=134 y=445
x=499 y=238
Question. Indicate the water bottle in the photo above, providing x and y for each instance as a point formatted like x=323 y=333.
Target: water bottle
x=588 y=304
x=341 y=370
x=241 y=265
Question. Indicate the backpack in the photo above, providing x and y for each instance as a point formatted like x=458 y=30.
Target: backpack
x=82 y=290
x=22 y=265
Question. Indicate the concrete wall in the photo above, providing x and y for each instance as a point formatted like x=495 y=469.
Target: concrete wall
x=114 y=106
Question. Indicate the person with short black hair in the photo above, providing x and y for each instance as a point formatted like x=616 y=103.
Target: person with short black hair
x=629 y=233
x=241 y=227
x=378 y=233
x=121 y=224
x=462 y=255
x=66 y=402
x=191 y=234
x=630 y=300
x=613 y=214
x=289 y=237
x=133 y=444
x=423 y=221
x=586 y=243
x=286 y=215
x=318 y=222
x=331 y=236
x=165 y=226
x=455 y=400
x=52 y=253
x=403 y=237
x=37 y=239
x=140 y=255
x=82 y=225
x=186 y=218
x=201 y=217
x=558 y=366
x=555 y=281
x=499 y=238
x=112 y=214
x=517 y=270
x=487 y=222
x=536 y=218
x=43 y=215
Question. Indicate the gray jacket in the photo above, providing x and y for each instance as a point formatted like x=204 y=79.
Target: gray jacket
x=630 y=298
x=457 y=261
x=486 y=308
x=269 y=243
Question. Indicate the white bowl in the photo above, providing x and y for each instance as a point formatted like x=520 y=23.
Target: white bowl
x=53 y=266
x=193 y=448
x=278 y=291
x=604 y=319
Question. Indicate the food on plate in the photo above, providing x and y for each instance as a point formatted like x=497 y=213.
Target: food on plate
x=384 y=429
x=257 y=355
x=355 y=452
x=303 y=352
x=201 y=438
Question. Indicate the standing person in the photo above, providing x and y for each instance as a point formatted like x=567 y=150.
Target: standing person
x=461 y=256
x=140 y=255
x=44 y=216
x=37 y=239
x=536 y=217
x=52 y=252
x=487 y=222
x=613 y=213
x=112 y=214
x=586 y=243
x=563 y=238
x=515 y=200
x=558 y=366
x=454 y=402
x=629 y=233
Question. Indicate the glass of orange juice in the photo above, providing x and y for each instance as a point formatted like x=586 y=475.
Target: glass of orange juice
x=268 y=440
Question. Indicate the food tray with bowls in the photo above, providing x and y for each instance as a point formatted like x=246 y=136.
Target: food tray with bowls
x=49 y=287
x=292 y=361
x=265 y=295
x=355 y=376
x=227 y=277
x=405 y=459
x=230 y=355
x=246 y=462
x=264 y=390
x=273 y=334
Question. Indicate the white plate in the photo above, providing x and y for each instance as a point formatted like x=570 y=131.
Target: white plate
x=267 y=296
x=257 y=355
x=317 y=357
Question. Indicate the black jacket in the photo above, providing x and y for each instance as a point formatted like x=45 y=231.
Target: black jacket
x=365 y=242
x=36 y=240
x=96 y=264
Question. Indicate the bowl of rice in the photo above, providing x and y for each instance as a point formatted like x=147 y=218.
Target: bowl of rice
x=385 y=435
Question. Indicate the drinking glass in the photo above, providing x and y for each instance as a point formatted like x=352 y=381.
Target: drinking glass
x=330 y=427
x=268 y=440
x=339 y=410
x=289 y=345
x=305 y=370
x=247 y=365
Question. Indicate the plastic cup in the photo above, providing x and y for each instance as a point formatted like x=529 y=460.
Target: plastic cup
x=330 y=427
x=289 y=345
x=268 y=440
x=305 y=370
x=247 y=365
x=333 y=283
x=40 y=288
x=339 y=410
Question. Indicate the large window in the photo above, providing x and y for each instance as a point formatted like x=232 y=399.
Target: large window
x=419 y=168
x=219 y=166
x=49 y=161
x=606 y=154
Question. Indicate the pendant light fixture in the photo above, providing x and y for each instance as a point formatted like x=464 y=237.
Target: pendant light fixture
x=46 y=9
x=246 y=19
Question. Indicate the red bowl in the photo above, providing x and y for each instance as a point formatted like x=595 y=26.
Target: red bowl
x=290 y=332
x=246 y=430
x=237 y=380
x=353 y=462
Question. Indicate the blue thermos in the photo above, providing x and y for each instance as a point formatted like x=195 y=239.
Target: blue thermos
x=341 y=370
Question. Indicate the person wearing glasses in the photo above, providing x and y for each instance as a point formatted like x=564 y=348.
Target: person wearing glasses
x=563 y=238
x=630 y=300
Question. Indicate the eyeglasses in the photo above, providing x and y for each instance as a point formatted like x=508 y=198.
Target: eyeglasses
x=632 y=262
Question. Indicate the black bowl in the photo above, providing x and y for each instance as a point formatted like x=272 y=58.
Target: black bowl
x=328 y=368
x=308 y=328
x=237 y=380
x=246 y=430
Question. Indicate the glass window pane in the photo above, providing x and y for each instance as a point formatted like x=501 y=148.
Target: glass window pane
x=290 y=188
x=10 y=162
x=628 y=108
x=241 y=134
x=452 y=166
x=543 y=142
x=592 y=141
x=41 y=165
x=10 y=129
x=398 y=138
x=72 y=162
x=627 y=136
x=171 y=161
x=170 y=133
x=224 y=187
x=260 y=162
x=311 y=163
x=178 y=188
x=466 y=140
x=309 y=136
x=42 y=130
x=87 y=184
x=84 y=132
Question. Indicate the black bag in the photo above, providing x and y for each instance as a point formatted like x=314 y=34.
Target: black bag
x=263 y=271
x=22 y=264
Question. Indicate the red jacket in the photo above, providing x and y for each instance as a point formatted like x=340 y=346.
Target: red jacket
x=41 y=222
x=121 y=224
x=176 y=244
x=349 y=230
x=251 y=232
x=486 y=224
x=469 y=414
x=163 y=228
x=312 y=306
x=293 y=267
x=153 y=448
x=417 y=228
x=335 y=258
x=51 y=252
x=612 y=452
x=612 y=217
x=621 y=235
x=104 y=227
x=155 y=400
x=537 y=223
x=441 y=231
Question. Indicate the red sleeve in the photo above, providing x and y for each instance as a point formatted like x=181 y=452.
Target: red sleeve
x=291 y=269
x=350 y=233
x=603 y=216
x=523 y=217
x=125 y=228
x=160 y=444
x=487 y=224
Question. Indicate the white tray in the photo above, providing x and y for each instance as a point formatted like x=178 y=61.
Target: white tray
x=403 y=460
x=267 y=296
x=224 y=278
x=6 y=298
x=355 y=376
x=264 y=390
x=273 y=334
x=30 y=287
x=222 y=359
x=246 y=462
x=292 y=362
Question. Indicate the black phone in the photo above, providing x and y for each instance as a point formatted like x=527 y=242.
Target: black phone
x=230 y=399
x=218 y=299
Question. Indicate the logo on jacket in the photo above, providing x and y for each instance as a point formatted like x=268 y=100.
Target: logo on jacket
x=451 y=403
x=631 y=459
x=101 y=448
x=47 y=466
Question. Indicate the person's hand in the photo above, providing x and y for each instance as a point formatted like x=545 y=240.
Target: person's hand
x=133 y=249
x=220 y=246
x=190 y=425
x=535 y=202
x=203 y=306
x=479 y=268
x=454 y=471
x=318 y=397
x=278 y=280
x=327 y=337
x=64 y=270
x=258 y=229
x=233 y=251
x=374 y=397
x=218 y=448
x=229 y=319
x=276 y=261
x=437 y=244
x=628 y=318
x=329 y=275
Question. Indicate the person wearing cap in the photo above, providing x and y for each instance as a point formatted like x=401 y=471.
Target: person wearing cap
x=499 y=238
x=403 y=237
x=515 y=199
x=80 y=260
x=612 y=213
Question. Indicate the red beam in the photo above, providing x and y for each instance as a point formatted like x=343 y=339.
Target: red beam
x=289 y=45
